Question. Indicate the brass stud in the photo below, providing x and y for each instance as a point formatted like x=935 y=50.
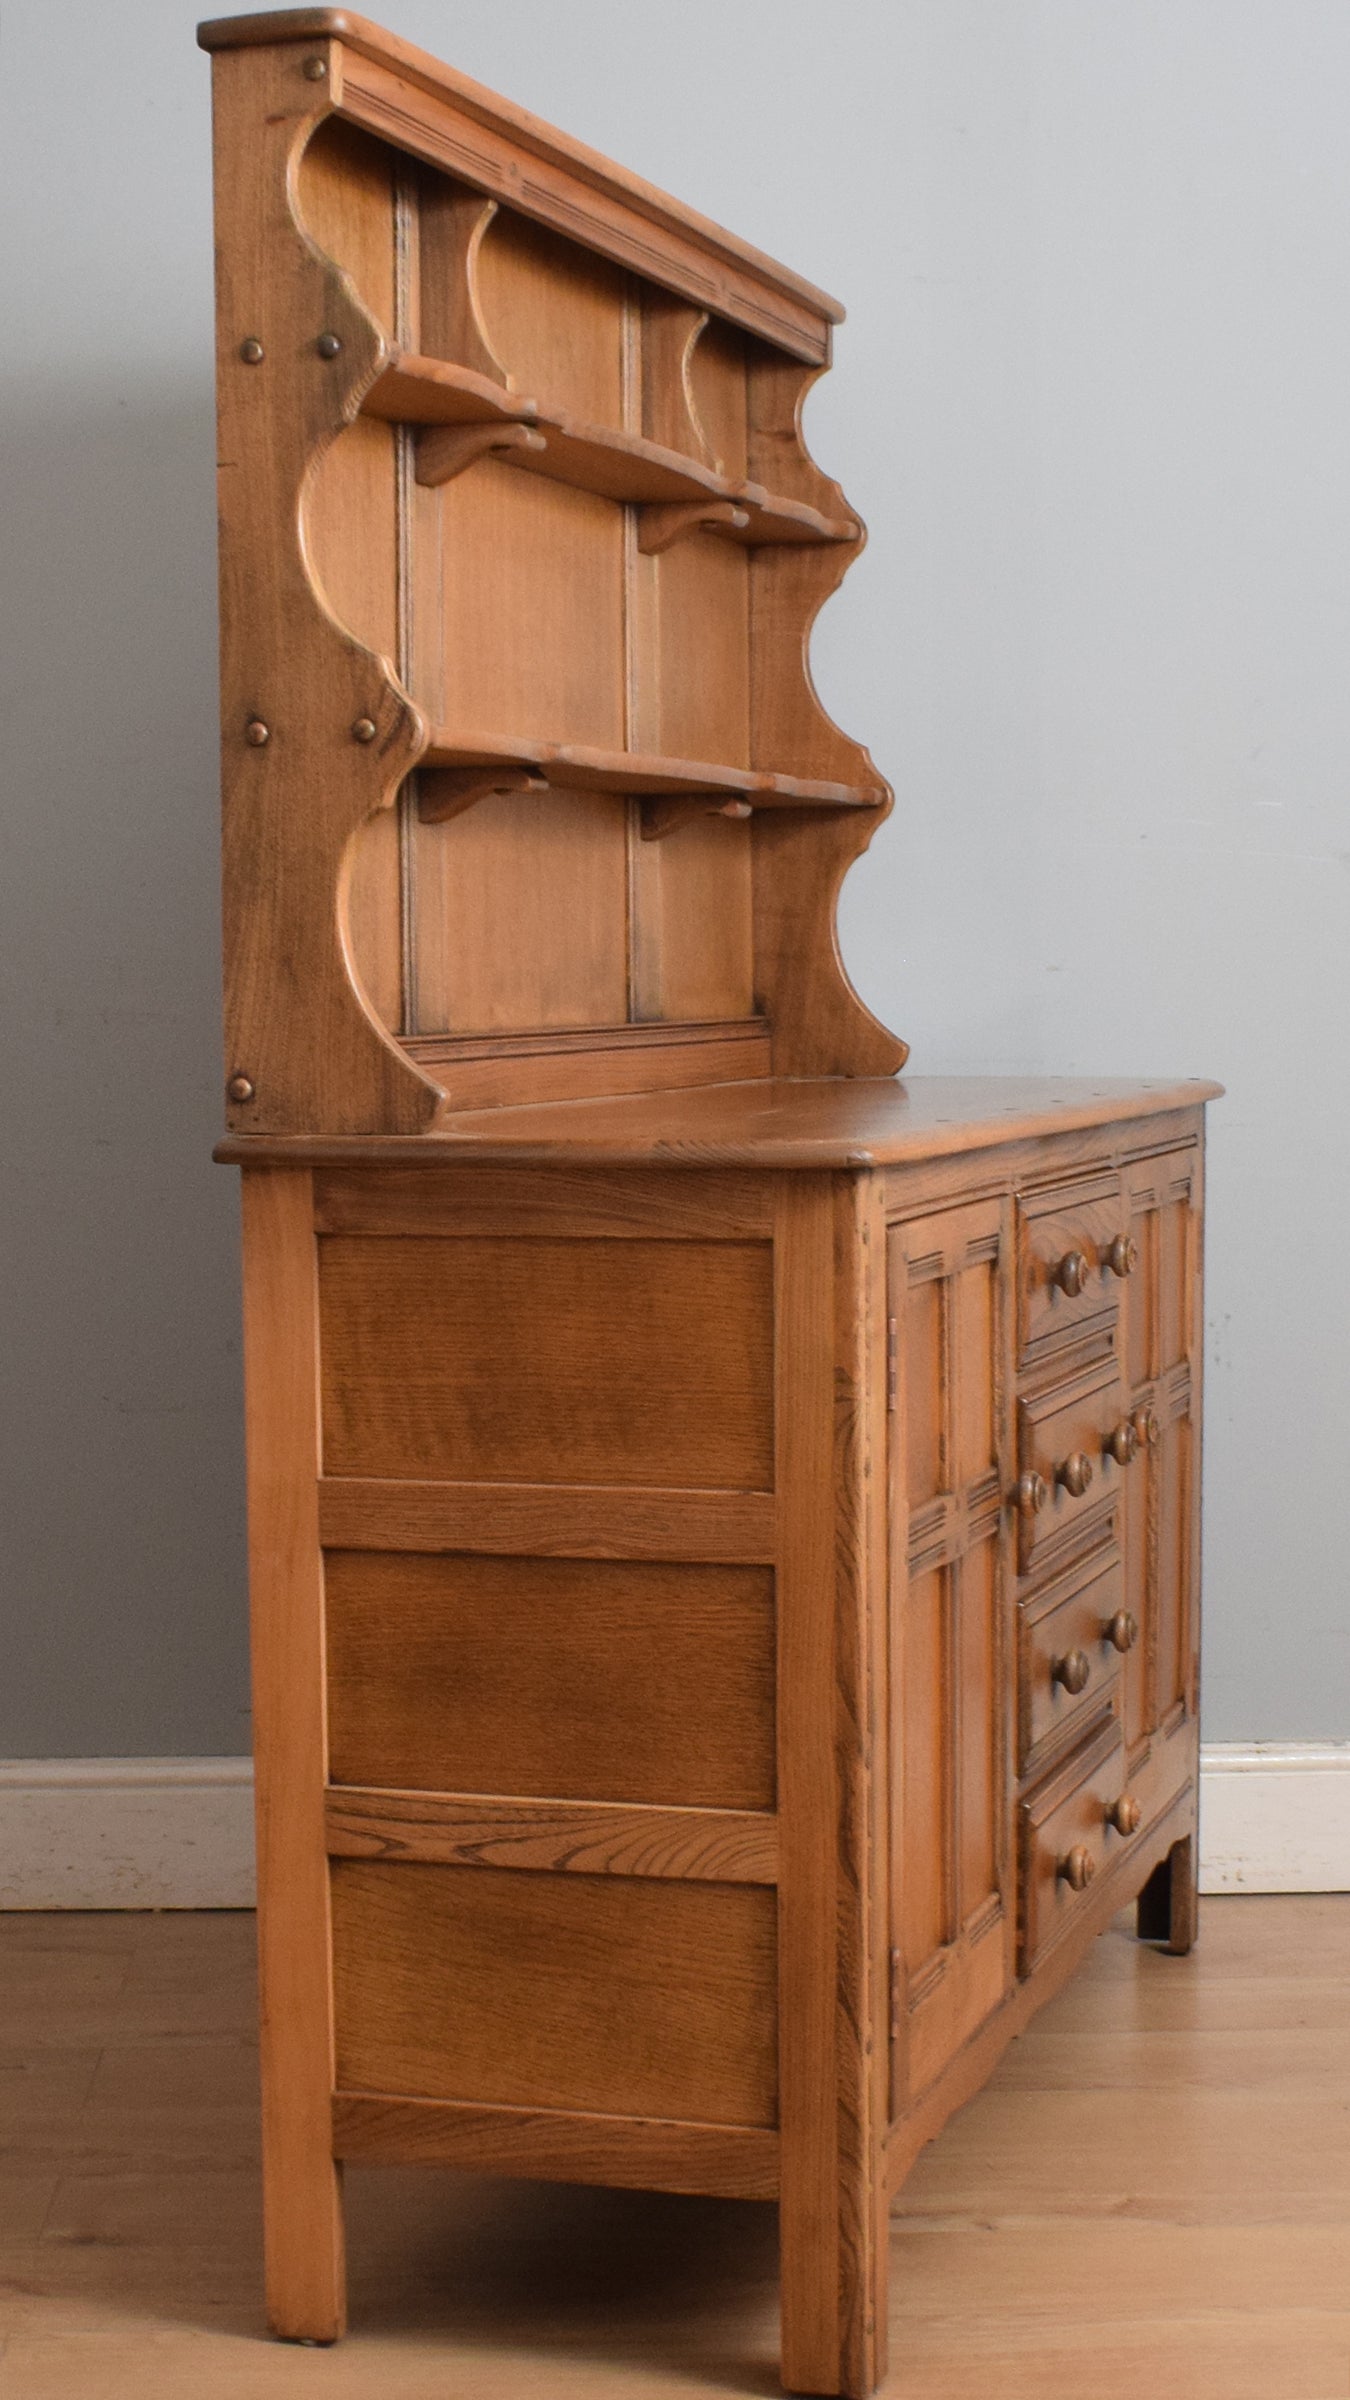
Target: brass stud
x=239 y=1088
x=315 y=69
x=256 y=733
x=364 y=730
x=251 y=351
x=328 y=345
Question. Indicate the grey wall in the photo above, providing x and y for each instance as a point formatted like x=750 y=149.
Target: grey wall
x=1092 y=399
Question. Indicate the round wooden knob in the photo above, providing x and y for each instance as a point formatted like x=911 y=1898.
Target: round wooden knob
x=256 y=734
x=1074 y=1671
x=1075 y=1474
x=1078 y=1868
x=364 y=729
x=1032 y=1493
x=1071 y=1274
x=1123 y=1631
x=1123 y=1442
x=252 y=352
x=1125 y=1814
x=1147 y=1427
x=1122 y=1256
x=240 y=1089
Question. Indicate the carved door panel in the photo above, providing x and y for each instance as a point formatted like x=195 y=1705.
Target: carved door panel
x=1160 y=1347
x=950 y=1330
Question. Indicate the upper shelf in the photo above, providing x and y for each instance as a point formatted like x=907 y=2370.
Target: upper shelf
x=467 y=415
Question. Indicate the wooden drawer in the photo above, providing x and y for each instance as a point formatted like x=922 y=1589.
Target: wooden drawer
x=1067 y=1840
x=1074 y=1251
x=1065 y=1465
x=1071 y=1639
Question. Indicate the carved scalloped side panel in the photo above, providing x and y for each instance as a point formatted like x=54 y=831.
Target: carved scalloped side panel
x=820 y=1025
x=300 y=771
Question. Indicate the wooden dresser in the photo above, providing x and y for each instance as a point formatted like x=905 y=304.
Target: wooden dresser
x=723 y=1521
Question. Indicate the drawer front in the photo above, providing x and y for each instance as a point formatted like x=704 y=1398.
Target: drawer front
x=1071 y=1640
x=1066 y=1439
x=1075 y=1251
x=1068 y=1840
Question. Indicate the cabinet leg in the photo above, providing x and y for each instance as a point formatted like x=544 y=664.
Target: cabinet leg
x=1168 y=1906
x=305 y=2251
x=834 y=2275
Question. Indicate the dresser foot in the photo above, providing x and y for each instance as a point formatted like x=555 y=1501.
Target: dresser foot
x=1168 y=1906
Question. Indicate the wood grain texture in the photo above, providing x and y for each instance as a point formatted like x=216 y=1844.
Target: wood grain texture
x=844 y=1123
x=628 y=1996
x=293 y=802
x=735 y=2162
x=608 y=1679
x=474 y=1073
x=831 y=1887
x=302 y=2210
x=546 y=1520
x=539 y=1361
x=573 y=1837
x=590 y=1206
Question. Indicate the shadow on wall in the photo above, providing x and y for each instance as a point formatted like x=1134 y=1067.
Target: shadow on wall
x=119 y=1405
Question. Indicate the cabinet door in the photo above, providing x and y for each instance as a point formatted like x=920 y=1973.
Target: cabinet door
x=1160 y=1343
x=950 y=1330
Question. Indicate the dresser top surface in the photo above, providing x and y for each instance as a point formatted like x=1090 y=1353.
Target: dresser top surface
x=835 y=1122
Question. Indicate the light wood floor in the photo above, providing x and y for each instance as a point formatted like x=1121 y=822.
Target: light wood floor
x=1152 y=2199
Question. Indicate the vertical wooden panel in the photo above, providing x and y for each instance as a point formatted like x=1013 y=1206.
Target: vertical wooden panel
x=693 y=933
x=923 y=1763
x=950 y=1291
x=522 y=916
x=556 y=317
x=919 y=1335
x=306 y=2288
x=702 y=664
x=532 y=629
x=832 y=2214
x=980 y=1751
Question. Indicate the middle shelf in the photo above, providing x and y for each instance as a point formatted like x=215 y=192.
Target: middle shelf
x=456 y=770
x=462 y=415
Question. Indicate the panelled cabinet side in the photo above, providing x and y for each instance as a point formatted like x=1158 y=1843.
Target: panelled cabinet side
x=316 y=732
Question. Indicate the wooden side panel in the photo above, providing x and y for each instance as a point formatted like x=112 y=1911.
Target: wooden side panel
x=635 y=1998
x=302 y=2214
x=950 y=1294
x=567 y=1678
x=346 y=186
x=639 y=1362
x=300 y=904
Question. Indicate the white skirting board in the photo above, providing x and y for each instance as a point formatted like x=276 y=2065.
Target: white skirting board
x=1275 y=1817
x=126 y=1833
x=178 y=1832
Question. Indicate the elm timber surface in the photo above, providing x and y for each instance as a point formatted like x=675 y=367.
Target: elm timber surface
x=1150 y=2194
x=724 y=1521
